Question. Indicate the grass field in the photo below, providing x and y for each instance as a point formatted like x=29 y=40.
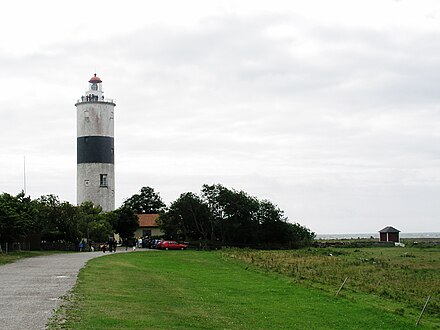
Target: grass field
x=209 y=290
x=406 y=275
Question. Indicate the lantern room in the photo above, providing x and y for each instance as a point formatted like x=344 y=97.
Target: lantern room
x=95 y=84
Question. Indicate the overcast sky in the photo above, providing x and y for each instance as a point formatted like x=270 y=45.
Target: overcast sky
x=330 y=109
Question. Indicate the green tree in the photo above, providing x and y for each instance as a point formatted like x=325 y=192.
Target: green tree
x=147 y=201
x=125 y=222
x=60 y=220
x=171 y=225
x=18 y=216
x=234 y=214
x=273 y=223
x=93 y=224
x=188 y=217
x=9 y=217
x=300 y=235
x=214 y=196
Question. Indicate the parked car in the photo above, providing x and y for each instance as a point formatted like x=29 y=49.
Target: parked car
x=159 y=244
x=153 y=243
x=173 y=245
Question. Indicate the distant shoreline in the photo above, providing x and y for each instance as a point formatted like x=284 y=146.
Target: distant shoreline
x=376 y=235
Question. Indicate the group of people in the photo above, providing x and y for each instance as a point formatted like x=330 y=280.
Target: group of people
x=84 y=246
x=90 y=98
x=111 y=245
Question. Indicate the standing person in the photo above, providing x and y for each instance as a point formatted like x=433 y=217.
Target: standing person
x=126 y=243
x=111 y=244
x=115 y=244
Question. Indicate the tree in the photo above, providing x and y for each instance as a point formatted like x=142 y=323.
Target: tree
x=60 y=220
x=18 y=216
x=214 y=196
x=125 y=222
x=148 y=201
x=188 y=217
x=234 y=214
x=300 y=235
x=273 y=223
x=9 y=217
x=93 y=224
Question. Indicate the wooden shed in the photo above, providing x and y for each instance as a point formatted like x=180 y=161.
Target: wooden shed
x=389 y=234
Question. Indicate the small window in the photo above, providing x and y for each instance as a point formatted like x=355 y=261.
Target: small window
x=103 y=180
x=86 y=183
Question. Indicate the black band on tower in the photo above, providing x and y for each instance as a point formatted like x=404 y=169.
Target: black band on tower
x=95 y=149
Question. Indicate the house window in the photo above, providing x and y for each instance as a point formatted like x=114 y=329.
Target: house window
x=103 y=180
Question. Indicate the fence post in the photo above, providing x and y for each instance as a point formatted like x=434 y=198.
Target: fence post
x=423 y=310
x=341 y=286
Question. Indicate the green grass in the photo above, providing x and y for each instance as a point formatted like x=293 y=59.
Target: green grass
x=203 y=290
x=405 y=275
x=6 y=258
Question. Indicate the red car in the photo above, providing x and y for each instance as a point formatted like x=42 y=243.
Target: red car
x=173 y=245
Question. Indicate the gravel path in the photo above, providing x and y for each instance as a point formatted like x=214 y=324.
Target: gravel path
x=30 y=289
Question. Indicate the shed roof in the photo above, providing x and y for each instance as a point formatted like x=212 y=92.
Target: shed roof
x=148 y=220
x=389 y=229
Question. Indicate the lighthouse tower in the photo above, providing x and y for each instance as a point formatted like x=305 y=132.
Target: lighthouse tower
x=95 y=147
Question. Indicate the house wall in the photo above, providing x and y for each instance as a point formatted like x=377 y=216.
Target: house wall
x=155 y=231
x=393 y=237
x=389 y=237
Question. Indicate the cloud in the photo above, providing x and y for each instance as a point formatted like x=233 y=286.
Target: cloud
x=327 y=120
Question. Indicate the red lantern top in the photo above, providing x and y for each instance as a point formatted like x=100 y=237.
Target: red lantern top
x=95 y=80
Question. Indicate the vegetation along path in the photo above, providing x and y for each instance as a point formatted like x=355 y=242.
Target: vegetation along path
x=31 y=288
x=205 y=290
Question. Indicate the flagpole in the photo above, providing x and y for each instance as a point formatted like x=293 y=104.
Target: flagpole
x=24 y=175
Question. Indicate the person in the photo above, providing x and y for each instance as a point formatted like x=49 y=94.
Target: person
x=110 y=244
x=126 y=244
x=115 y=244
x=103 y=248
x=81 y=246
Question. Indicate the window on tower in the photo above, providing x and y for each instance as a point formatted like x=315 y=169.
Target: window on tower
x=103 y=180
x=94 y=87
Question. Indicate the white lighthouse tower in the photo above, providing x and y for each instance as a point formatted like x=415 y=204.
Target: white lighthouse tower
x=95 y=147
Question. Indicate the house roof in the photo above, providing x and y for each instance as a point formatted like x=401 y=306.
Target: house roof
x=389 y=229
x=148 y=220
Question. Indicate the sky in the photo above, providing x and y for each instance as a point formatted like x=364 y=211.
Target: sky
x=329 y=109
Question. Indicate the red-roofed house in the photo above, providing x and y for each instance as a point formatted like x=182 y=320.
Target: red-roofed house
x=148 y=226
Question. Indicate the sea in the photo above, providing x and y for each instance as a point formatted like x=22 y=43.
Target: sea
x=376 y=235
